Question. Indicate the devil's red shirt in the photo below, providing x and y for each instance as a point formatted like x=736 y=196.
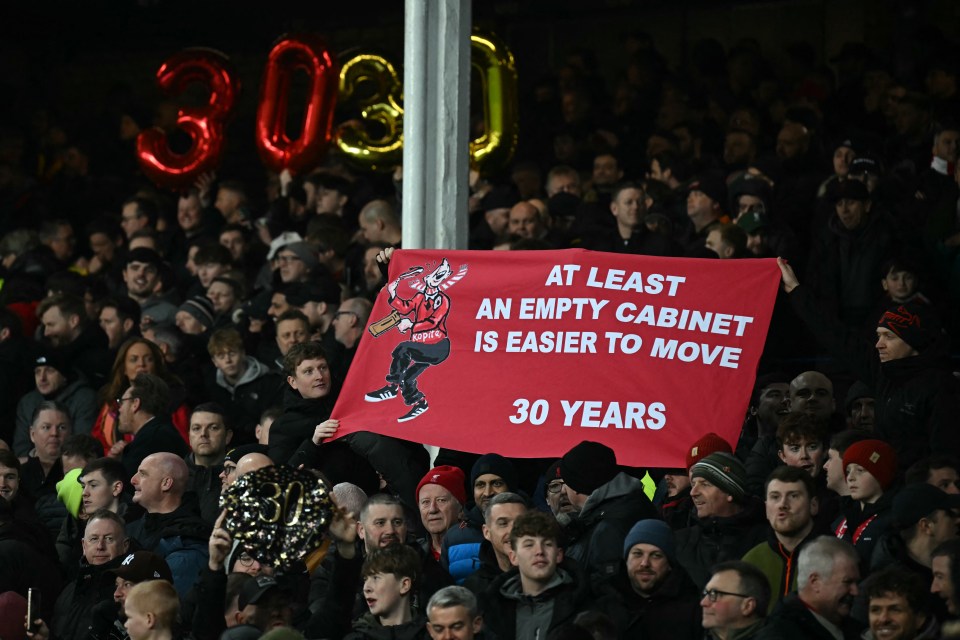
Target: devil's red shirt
x=428 y=314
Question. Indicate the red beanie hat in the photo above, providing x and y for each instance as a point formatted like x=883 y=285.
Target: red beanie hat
x=710 y=443
x=450 y=478
x=876 y=456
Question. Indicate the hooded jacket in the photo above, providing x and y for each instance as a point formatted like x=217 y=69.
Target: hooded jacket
x=777 y=564
x=257 y=390
x=713 y=540
x=509 y=614
x=596 y=535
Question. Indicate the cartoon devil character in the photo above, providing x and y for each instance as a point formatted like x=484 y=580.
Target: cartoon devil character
x=424 y=315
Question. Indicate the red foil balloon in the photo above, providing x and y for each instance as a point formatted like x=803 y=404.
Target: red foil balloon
x=204 y=125
x=277 y=150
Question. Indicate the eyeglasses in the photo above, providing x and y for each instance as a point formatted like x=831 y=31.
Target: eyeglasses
x=120 y=401
x=555 y=487
x=713 y=594
x=245 y=559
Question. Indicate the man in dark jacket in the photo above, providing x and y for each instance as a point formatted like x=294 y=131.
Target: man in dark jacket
x=104 y=547
x=172 y=527
x=728 y=522
x=610 y=502
x=494 y=554
x=848 y=253
x=209 y=437
x=141 y=412
x=827 y=575
x=923 y=517
x=491 y=474
x=661 y=602
x=544 y=590
x=917 y=398
x=240 y=383
x=82 y=344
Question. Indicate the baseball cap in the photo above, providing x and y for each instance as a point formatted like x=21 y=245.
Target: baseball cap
x=916 y=501
x=141 y=566
x=253 y=591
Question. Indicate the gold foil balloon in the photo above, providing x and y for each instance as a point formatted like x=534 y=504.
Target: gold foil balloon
x=279 y=514
x=498 y=72
x=371 y=82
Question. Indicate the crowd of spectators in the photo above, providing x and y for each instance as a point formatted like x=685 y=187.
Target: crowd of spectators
x=156 y=347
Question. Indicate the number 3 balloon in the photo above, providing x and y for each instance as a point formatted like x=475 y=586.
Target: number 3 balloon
x=204 y=124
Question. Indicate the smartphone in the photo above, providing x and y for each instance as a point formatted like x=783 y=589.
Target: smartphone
x=33 y=609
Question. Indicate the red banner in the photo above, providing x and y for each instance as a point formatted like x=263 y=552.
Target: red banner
x=528 y=353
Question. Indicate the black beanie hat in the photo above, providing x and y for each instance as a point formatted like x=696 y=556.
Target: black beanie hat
x=914 y=323
x=497 y=465
x=588 y=466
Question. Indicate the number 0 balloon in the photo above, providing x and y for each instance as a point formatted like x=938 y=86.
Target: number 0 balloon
x=277 y=149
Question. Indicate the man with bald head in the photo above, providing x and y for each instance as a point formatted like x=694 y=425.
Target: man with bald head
x=524 y=221
x=379 y=223
x=251 y=462
x=172 y=527
x=811 y=392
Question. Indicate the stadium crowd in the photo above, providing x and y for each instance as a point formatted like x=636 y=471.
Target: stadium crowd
x=156 y=347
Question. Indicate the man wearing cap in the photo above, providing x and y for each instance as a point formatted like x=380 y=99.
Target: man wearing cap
x=660 y=601
x=706 y=198
x=848 y=252
x=677 y=506
x=141 y=275
x=440 y=499
x=791 y=506
x=195 y=316
x=727 y=522
x=609 y=501
x=923 y=517
x=319 y=302
x=492 y=224
x=57 y=382
x=297 y=261
x=108 y=616
x=491 y=474
x=827 y=576
x=916 y=400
